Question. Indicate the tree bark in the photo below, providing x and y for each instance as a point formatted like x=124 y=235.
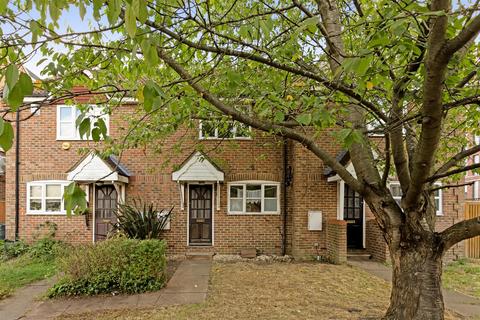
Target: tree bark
x=416 y=282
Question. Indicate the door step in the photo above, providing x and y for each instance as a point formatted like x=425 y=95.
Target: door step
x=358 y=255
x=199 y=255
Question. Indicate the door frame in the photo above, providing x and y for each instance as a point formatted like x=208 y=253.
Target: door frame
x=188 y=213
x=120 y=199
x=341 y=206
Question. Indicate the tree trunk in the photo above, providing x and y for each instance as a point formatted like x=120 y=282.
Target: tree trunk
x=416 y=283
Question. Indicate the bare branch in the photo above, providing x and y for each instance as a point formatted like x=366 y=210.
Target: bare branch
x=460 y=231
x=452 y=172
x=456 y=158
x=468 y=33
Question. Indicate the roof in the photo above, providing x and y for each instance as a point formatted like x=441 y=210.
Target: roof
x=91 y=167
x=198 y=167
x=343 y=157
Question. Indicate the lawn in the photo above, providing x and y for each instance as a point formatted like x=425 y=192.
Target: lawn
x=21 y=271
x=276 y=291
x=463 y=276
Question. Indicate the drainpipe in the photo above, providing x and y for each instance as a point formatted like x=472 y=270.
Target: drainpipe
x=17 y=176
x=286 y=183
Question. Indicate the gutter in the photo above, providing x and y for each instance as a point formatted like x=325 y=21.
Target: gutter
x=17 y=176
x=286 y=183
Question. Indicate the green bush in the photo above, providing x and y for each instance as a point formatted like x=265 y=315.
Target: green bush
x=11 y=250
x=46 y=249
x=115 y=265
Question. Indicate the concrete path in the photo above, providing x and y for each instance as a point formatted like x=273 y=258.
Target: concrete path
x=464 y=305
x=188 y=285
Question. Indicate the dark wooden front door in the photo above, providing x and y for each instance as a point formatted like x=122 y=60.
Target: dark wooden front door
x=353 y=214
x=200 y=214
x=105 y=205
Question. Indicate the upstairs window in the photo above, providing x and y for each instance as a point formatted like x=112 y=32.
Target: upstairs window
x=217 y=130
x=67 y=117
x=253 y=198
x=396 y=192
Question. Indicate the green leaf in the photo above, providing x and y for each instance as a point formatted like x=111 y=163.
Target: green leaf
x=6 y=138
x=304 y=119
x=84 y=128
x=14 y=98
x=142 y=11
x=96 y=134
x=150 y=92
x=279 y=116
x=102 y=127
x=26 y=84
x=81 y=9
x=2 y=126
x=130 y=21
x=3 y=6
x=113 y=11
x=75 y=199
x=11 y=75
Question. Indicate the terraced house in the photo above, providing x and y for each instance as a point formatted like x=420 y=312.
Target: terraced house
x=243 y=191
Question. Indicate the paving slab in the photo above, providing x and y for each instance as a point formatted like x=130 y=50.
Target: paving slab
x=462 y=304
x=188 y=285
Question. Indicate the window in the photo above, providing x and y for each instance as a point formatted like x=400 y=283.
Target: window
x=46 y=197
x=476 y=159
x=477 y=140
x=253 y=198
x=217 y=130
x=67 y=117
x=396 y=192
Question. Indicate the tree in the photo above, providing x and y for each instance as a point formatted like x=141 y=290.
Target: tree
x=405 y=69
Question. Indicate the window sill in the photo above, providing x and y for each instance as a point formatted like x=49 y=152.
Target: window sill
x=41 y=213
x=253 y=213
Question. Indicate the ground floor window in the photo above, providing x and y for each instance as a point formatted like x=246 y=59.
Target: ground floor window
x=46 y=197
x=396 y=191
x=253 y=197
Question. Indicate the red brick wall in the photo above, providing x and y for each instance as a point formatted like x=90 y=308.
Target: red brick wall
x=337 y=241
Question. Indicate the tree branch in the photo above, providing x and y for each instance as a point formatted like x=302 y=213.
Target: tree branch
x=452 y=172
x=468 y=33
x=460 y=231
x=263 y=125
x=456 y=158
x=448 y=186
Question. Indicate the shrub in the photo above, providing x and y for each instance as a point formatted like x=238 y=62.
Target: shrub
x=46 y=249
x=141 y=221
x=11 y=250
x=115 y=265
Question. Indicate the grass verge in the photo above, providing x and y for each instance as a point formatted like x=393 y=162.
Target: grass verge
x=463 y=276
x=21 y=271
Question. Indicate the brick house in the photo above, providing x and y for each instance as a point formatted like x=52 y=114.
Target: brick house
x=250 y=191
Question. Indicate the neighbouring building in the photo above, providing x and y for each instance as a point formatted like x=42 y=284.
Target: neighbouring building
x=253 y=192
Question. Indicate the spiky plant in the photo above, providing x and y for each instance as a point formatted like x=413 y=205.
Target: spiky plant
x=139 y=220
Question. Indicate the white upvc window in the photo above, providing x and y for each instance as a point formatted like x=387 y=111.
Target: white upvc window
x=396 y=192
x=254 y=197
x=46 y=197
x=66 y=121
x=234 y=130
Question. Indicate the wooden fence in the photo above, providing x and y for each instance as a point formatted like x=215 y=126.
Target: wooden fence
x=2 y=212
x=472 y=246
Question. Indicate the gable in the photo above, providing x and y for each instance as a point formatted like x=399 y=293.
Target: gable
x=198 y=168
x=94 y=168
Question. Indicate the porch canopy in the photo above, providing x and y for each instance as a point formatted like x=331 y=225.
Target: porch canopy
x=198 y=168
x=92 y=168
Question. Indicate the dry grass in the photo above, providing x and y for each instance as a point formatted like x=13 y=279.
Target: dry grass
x=276 y=291
x=463 y=276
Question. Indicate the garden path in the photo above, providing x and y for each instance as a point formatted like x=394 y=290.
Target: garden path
x=188 y=285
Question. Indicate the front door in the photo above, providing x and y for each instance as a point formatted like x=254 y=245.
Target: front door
x=105 y=205
x=353 y=214
x=200 y=214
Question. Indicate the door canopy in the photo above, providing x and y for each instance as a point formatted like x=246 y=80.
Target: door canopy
x=198 y=167
x=92 y=168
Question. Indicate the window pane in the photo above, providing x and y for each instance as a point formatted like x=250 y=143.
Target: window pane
x=254 y=205
x=242 y=130
x=270 y=205
x=65 y=114
x=236 y=205
x=35 y=191
x=35 y=204
x=236 y=191
x=396 y=190
x=54 y=191
x=437 y=203
x=254 y=191
x=270 y=191
x=208 y=129
x=67 y=129
x=53 y=205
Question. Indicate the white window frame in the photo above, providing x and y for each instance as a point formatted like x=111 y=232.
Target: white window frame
x=263 y=184
x=216 y=137
x=43 y=185
x=76 y=135
x=439 y=211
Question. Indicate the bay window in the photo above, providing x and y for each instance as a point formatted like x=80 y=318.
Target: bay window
x=253 y=198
